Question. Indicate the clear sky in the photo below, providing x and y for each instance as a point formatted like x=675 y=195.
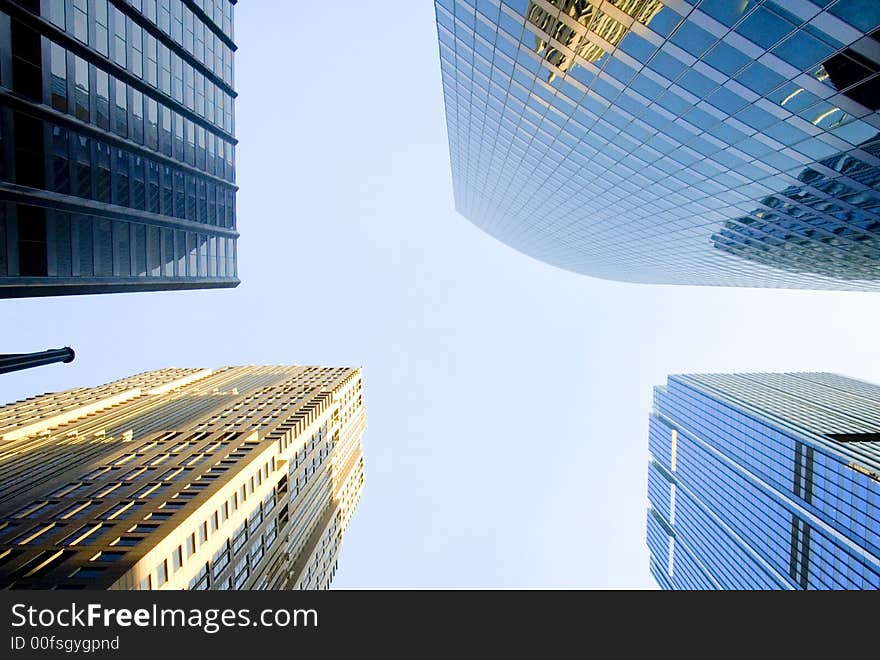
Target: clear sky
x=507 y=401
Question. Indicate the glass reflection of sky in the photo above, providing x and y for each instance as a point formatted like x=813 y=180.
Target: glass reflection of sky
x=618 y=138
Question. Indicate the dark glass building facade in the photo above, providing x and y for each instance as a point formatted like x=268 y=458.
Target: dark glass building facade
x=671 y=141
x=117 y=167
x=765 y=481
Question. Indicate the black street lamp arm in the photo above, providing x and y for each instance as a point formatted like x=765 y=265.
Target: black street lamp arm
x=16 y=361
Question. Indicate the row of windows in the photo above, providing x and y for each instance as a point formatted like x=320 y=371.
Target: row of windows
x=84 y=167
x=641 y=119
x=732 y=498
x=679 y=149
x=625 y=72
x=715 y=189
x=768 y=27
x=219 y=11
x=59 y=244
x=215 y=521
x=321 y=566
x=236 y=546
x=91 y=95
x=137 y=532
x=151 y=61
x=833 y=568
x=738 y=502
x=812 y=408
x=842 y=495
x=176 y=20
x=810 y=405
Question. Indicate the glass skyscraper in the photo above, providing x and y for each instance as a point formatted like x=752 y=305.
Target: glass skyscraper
x=117 y=169
x=712 y=142
x=232 y=478
x=765 y=481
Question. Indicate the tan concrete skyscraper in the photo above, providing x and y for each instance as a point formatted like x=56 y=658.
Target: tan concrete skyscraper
x=233 y=478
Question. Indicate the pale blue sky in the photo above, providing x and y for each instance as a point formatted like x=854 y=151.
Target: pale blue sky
x=507 y=401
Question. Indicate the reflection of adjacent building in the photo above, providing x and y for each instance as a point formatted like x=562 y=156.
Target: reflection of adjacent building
x=614 y=138
x=856 y=75
x=765 y=481
x=116 y=158
x=828 y=226
x=569 y=21
x=234 y=478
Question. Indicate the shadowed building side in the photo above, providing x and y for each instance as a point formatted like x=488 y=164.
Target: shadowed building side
x=117 y=170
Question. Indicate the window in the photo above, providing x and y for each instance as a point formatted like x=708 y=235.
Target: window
x=31 y=510
x=82 y=536
x=190 y=545
x=200 y=581
x=78 y=510
x=119 y=37
x=121 y=511
x=83 y=166
x=240 y=573
x=81 y=20
x=203 y=532
x=255 y=519
x=101 y=32
x=109 y=555
x=239 y=538
x=33 y=533
x=58 y=91
x=220 y=560
x=162 y=572
x=81 y=89
x=91 y=573
x=257 y=552
x=120 y=124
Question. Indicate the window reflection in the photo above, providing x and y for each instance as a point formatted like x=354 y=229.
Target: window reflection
x=855 y=75
x=562 y=28
x=827 y=226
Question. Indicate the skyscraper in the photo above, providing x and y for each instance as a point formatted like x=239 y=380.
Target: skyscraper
x=670 y=141
x=117 y=143
x=765 y=481
x=235 y=478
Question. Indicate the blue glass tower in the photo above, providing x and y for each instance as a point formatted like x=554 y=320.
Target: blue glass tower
x=765 y=481
x=671 y=141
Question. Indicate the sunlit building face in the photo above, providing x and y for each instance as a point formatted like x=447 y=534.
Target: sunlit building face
x=234 y=478
x=719 y=143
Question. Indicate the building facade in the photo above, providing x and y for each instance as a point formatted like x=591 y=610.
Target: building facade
x=235 y=478
x=765 y=481
x=671 y=141
x=117 y=167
